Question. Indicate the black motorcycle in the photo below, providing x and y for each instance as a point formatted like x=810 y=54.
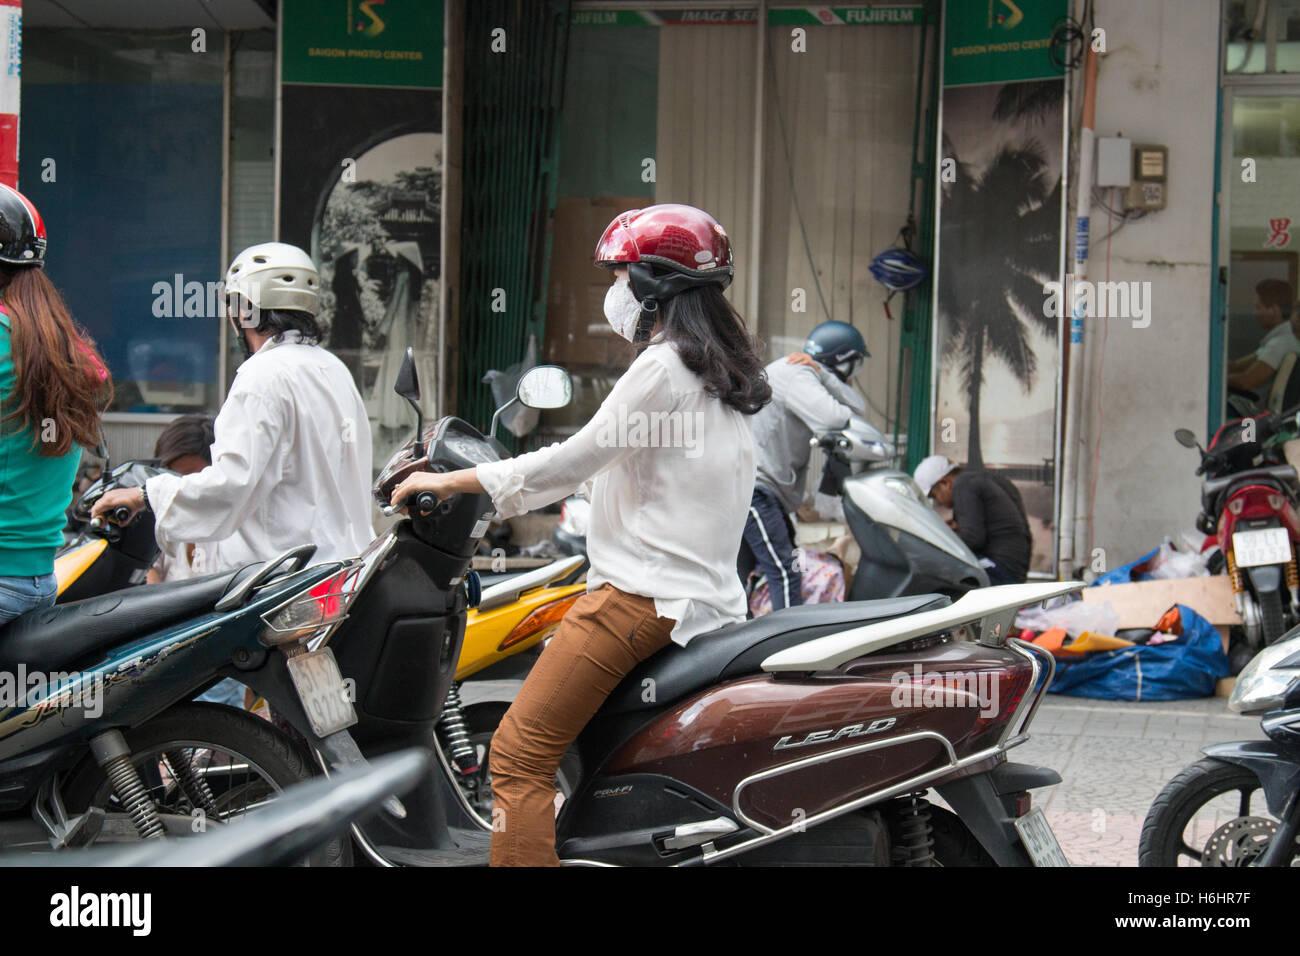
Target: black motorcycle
x=1239 y=805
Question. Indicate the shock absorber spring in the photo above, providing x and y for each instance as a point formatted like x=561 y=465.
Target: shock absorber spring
x=192 y=782
x=1233 y=573
x=453 y=732
x=916 y=837
x=113 y=755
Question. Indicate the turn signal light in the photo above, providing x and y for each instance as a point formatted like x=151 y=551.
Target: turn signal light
x=543 y=618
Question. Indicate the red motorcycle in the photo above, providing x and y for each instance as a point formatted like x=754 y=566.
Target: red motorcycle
x=1249 y=509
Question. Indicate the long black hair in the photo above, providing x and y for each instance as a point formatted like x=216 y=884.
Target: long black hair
x=711 y=338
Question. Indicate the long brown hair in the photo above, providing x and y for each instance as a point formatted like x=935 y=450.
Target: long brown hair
x=61 y=383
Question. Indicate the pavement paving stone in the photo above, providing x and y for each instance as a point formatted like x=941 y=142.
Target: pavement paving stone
x=1114 y=757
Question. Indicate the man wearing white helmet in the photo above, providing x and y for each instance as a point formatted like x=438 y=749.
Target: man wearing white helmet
x=987 y=512
x=291 y=460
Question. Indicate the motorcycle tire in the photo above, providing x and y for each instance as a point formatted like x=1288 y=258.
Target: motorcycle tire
x=277 y=758
x=1272 y=623
x=1161 y=842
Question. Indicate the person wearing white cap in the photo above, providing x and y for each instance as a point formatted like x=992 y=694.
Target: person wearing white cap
x=987 y=512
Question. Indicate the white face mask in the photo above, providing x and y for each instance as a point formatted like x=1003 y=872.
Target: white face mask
x=622 y=310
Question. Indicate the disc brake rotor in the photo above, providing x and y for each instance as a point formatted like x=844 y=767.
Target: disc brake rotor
x=1238 y=842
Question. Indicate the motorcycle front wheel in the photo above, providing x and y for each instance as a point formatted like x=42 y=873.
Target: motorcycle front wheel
x=242 y=760
x=1212 y=814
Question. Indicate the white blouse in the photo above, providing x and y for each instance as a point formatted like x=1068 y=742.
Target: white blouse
x=674 y=474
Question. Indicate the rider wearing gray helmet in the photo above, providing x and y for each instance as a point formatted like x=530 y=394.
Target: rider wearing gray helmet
x=810 y=396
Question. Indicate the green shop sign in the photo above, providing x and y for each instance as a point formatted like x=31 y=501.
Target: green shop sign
x=902 y=14
x=999 y=41
x=362 y=42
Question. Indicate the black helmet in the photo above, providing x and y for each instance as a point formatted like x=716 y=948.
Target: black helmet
x=22 y=231
x=838 y=346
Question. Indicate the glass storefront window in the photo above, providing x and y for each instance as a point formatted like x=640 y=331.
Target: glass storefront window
x=252 y=154
x=1264 y=265
x=121 y=152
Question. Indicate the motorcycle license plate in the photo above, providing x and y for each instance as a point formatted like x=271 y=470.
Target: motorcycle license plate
x=319 y=683
x=1039 y=839
x=1265 y=546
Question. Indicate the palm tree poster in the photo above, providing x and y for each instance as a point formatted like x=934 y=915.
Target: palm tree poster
x=999 y=243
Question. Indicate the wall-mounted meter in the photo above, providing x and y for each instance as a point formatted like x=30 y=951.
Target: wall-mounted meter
x=1148 y=187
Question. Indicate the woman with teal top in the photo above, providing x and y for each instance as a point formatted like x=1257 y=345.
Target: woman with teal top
x=53 y=386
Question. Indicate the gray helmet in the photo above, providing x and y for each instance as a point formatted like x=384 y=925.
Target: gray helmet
x=838 y=346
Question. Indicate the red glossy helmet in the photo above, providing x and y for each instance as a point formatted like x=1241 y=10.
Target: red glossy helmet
x=22 y=231
x=678 y=248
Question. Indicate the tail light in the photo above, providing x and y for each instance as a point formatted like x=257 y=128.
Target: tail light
x=543 y=618
x=303 y=615
x=1010 y=684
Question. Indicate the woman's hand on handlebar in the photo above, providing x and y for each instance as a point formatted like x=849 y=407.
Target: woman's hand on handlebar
x=441 y=486
x=130 y=498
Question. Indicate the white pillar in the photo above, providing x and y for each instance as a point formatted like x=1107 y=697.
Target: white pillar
x=11 y=58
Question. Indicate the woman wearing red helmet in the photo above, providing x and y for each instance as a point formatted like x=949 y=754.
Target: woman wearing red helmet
x=53 y=386
x=670 y=463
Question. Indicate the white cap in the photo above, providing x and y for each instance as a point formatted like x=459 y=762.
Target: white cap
x=930 y=470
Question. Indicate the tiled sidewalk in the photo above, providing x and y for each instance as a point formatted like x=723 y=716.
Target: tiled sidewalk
x=1113 y=758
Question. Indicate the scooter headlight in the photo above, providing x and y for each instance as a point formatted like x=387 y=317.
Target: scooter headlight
x=1265 y=682
x=905 y=487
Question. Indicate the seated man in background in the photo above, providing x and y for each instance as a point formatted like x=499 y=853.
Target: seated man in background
x=1273 y=307
x=987 y=513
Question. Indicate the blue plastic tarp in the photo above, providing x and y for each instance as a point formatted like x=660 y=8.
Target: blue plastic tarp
x=1133 y=571
x=1175 y=670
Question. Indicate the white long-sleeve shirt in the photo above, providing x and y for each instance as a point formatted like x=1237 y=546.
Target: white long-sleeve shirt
x=674 y=474
x=290 y=466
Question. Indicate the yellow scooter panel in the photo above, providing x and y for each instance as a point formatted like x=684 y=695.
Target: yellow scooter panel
x=501 y=632
x=71 y=565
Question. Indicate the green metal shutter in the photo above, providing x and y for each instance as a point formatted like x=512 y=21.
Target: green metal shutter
x=512 y=103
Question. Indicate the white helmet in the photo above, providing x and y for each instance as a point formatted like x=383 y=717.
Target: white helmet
x=931 y=470
x=275 y=275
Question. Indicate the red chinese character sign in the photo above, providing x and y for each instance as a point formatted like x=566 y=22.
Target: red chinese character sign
x=1279 y=234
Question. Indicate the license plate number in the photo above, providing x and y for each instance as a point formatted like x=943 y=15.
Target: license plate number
x=1266 y=546
x=320 y=687
x=1039 y=840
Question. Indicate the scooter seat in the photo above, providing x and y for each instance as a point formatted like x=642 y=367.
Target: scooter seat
x=738 y=650
x=51 y=639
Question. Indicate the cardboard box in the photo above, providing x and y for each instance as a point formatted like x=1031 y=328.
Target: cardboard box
x=1141 y=603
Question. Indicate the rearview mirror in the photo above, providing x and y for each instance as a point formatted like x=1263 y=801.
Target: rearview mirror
x=1185 y=438
x=408 y=383
x=408 y=386
x=546 y=386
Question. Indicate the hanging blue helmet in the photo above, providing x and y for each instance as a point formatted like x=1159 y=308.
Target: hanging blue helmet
x=838 y=346
x=898 y=269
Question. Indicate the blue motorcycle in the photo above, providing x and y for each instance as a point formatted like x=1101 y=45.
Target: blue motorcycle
x=100 y=741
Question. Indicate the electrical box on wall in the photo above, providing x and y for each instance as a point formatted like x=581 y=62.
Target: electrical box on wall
x=1150 y=171
x=1114 y=161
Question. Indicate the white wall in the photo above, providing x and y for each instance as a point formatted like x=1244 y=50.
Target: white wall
x=1156 y=84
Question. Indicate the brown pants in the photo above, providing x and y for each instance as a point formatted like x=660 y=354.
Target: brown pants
x=605 y=634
